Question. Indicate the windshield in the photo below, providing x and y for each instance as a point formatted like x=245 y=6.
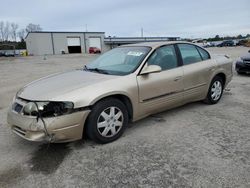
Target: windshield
x=119 y=61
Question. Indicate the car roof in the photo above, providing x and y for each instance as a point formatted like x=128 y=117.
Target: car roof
x=157 y=44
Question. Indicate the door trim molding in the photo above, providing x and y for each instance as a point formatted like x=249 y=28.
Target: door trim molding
x=161 y=96
x=194 y=87
x=172 y=93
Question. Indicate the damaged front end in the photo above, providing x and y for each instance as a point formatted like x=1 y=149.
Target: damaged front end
x=47 y=120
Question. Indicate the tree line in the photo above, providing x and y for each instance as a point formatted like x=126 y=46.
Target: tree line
x=12 y=35
x=10 y=31
x=219 y=38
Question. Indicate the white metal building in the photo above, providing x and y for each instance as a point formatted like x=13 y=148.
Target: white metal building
x=45 y=43
x=49 y=43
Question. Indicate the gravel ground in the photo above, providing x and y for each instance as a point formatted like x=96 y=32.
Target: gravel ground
x=196 y=145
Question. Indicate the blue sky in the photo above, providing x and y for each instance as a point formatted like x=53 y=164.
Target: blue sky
x=184 y=18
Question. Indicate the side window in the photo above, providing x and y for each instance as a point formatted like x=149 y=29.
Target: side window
x=189 y=54
x=165 y=57
x=204 y=54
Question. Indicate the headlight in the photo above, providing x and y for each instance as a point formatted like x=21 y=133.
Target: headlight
x=48 y=109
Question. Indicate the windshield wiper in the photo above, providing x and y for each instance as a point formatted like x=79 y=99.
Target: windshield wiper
x=95 y=70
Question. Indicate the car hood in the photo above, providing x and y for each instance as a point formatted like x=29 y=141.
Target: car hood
x=246 y=57
x=48 y=88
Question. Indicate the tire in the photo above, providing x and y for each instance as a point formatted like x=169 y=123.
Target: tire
x=107 y=121
x=215 y=91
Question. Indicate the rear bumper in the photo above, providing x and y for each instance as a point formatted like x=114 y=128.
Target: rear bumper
x=63 y=128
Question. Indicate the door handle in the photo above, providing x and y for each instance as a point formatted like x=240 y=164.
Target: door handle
x=177 y=78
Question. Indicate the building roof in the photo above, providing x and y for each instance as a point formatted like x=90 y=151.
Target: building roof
x=63 y=32
x=127 y=40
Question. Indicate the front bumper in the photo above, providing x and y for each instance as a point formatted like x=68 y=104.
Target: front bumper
x=242 y=67
x=63 y=128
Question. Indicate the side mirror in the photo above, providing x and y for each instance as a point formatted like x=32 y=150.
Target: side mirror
x=248 y=51
x=150 y=69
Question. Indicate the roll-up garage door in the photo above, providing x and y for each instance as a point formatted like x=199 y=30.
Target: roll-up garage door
x=74 y=45
x=95 y=42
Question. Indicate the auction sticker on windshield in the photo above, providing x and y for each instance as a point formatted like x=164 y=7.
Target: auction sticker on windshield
x=135 y=53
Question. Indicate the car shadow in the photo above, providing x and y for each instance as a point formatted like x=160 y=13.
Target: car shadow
x=162 y=117
x=48 y=157
x=152 y=120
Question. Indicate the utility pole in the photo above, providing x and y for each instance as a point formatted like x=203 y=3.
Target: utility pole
x=141 y=32
x=86 y=27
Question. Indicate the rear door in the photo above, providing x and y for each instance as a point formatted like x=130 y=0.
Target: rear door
x=161 y=90
x=197 y=69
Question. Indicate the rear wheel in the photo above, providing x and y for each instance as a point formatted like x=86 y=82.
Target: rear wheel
x=107 y=120
x=215 y=91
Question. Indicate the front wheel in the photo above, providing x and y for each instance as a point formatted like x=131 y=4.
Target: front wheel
x=107 y=121
x=215 y=91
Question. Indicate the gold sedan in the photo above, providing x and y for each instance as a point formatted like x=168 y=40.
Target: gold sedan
x=125 y=84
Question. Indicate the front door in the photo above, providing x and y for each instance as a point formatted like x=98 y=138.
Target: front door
x=162 y=90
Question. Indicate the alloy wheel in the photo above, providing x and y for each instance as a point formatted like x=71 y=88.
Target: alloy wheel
x=110 y=121
x=216 y=90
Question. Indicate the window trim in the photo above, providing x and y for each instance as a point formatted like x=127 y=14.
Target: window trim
x=179 y=64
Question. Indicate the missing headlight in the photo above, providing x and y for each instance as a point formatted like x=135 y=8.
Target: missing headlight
x=57 y=109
